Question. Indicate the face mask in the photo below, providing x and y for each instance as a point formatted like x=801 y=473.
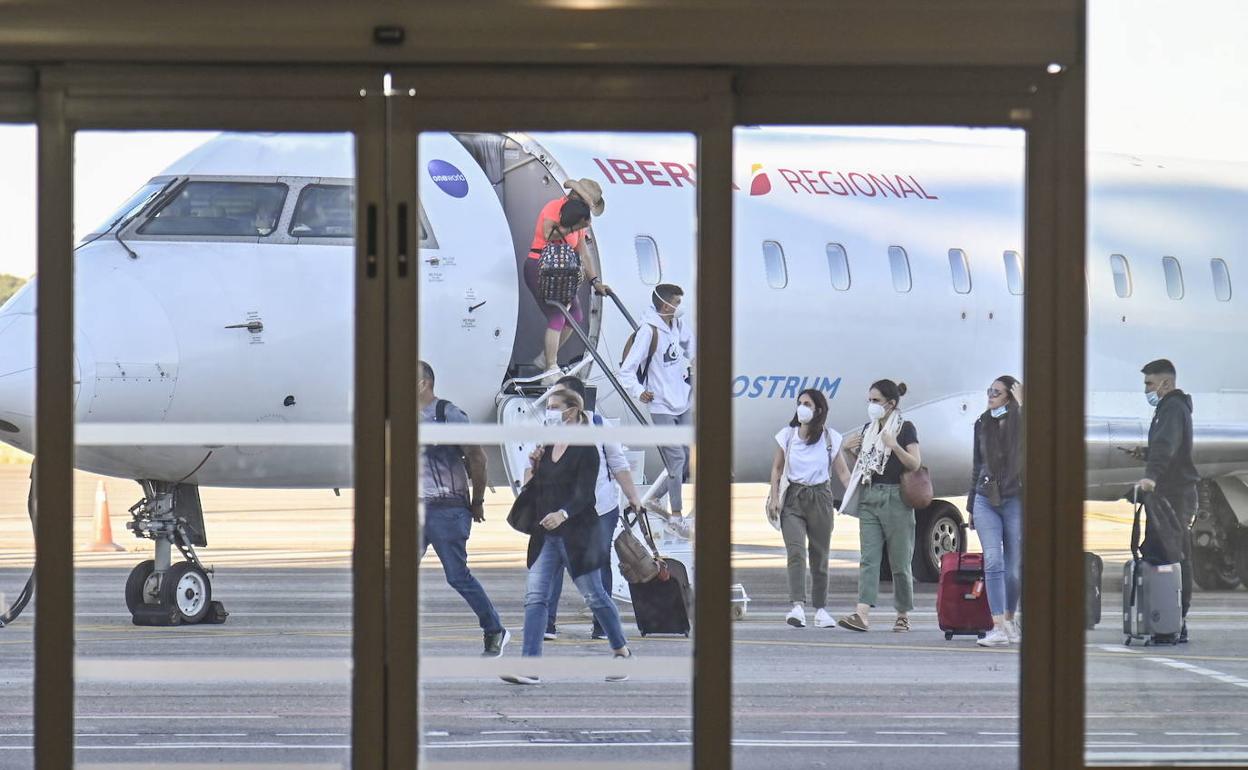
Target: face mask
x=875 y=411
x=805 y=414
x=554 y=416
x=999 y=412
x=677 y=312
x=1153 y=398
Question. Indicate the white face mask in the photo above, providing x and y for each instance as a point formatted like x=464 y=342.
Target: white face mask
x=554 y=416
x=805 y=414
x=875 y=411
x=677 y=312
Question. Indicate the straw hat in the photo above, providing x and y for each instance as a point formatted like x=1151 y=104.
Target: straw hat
x=590 y=192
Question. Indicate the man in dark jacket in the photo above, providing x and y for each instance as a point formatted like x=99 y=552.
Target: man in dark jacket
x=1169 y=471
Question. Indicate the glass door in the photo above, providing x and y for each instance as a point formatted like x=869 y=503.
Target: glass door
x=551 y=294
x=228 y=463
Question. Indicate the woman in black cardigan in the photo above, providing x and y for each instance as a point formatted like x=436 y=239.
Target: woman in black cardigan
x=561 y=487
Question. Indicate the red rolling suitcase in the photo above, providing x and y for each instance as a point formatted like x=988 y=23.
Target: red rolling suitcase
x=961 y=596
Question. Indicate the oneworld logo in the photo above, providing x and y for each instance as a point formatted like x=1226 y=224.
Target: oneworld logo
x=450 y=179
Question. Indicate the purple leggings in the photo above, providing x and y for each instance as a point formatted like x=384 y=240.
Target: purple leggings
x=554 y=319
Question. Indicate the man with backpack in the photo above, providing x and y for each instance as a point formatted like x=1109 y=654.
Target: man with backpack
x=1170 y=472
x=452 y=490
x=658 y=371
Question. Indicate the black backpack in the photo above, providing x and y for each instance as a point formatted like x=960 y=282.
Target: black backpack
x=558 y=271
x=447 y=451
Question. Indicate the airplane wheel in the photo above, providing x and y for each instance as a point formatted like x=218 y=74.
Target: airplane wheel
x=948 y=636
x=135 y=582
x=1214 y=569
x=187 y=590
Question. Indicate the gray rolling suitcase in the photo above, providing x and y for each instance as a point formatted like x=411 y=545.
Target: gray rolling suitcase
x=1152 y=596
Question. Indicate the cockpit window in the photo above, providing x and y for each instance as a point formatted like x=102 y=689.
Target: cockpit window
x=220 y=208
x=130 y=207
x=324 y=211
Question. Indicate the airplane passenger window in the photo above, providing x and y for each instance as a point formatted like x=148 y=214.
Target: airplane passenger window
x=220 y=208
x=1221 y=280
x=961 y=271
x=773 y=261
x=1174 y=277
x=1014 y=272
x=838 y=266
x=900 y=265
x=1122 y=275
x=648 y=265
x=324 y=211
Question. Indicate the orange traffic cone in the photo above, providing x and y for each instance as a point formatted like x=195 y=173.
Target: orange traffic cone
x=103 y=540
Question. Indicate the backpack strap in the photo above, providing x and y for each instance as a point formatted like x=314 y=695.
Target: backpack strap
x=439 y=410
x=654 y=346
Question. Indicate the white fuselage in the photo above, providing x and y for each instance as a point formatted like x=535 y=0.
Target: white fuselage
x=152 y=344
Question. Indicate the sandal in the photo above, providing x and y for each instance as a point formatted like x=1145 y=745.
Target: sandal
x=902 y=625
x=853 y=622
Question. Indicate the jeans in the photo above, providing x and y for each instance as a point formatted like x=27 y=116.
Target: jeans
x=884 y=521
x=675 y=458
x=551 y=561
x=806 y=525
x=607 y=522
x=447 y=529
x=1000 y=532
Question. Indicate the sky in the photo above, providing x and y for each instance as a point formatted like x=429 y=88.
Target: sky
x=1164 y=79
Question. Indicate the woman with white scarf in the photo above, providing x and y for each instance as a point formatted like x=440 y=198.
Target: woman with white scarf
x=888 y=447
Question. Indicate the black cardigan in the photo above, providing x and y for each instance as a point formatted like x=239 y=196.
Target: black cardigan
x=570 y=485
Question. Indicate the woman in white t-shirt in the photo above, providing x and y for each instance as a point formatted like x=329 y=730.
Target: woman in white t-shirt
x=806 y=453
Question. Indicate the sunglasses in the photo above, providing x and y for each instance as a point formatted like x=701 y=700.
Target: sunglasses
x=994 y=393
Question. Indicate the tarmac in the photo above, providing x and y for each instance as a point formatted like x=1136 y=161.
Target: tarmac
x=271 y=687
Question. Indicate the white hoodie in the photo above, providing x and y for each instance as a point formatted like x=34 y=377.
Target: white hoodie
x=669 y=368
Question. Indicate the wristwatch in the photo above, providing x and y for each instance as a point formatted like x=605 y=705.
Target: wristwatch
x=475 y=503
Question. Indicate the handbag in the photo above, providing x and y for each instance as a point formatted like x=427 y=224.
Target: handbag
x=523 y=516
x=916 y=488
x=637 y=563
x=774 y=518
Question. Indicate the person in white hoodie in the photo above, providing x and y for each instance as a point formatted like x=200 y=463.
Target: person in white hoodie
x=658 y=371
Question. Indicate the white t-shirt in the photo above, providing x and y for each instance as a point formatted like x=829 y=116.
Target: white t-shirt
x=808 y=463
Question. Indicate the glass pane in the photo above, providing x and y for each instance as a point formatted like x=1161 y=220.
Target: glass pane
x=648 y=265
x=899 y=264
x=535 y=218
x=1221 y=280
x=838 y=266
x=807 y=691
x=1150 y=184
x=1122 y=275
x=1174 y=277
x=960 y=270
x=777 y=268
x=214 y=358
x=17 y=423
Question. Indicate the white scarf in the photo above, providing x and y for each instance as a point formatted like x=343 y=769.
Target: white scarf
x=873 y=455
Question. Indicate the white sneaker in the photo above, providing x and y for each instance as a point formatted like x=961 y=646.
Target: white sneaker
x=994 y=638
x=623 y=664
x=796 y=617
x=521 y=678
x=824 y=620
x=1014 y=631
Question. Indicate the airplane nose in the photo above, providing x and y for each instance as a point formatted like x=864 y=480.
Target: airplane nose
x=17 y=379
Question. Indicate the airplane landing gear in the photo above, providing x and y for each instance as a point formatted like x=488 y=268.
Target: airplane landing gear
x=159 y=592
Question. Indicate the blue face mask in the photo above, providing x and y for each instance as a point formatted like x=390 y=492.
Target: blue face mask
x=1153 y=398
x=999 y=412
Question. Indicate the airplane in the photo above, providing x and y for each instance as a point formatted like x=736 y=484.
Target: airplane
x=220 y=294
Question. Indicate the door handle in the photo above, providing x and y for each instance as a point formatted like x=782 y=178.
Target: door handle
x=255 y=327
x=402 y=255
